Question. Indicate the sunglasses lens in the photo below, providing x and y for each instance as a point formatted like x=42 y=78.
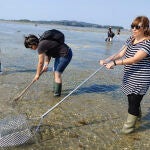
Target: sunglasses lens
x=132 y=26
x=137 y=27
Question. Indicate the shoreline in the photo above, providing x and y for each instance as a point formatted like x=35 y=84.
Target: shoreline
x=90 y=29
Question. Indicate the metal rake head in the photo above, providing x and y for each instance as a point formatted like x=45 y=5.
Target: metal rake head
x=14 y=130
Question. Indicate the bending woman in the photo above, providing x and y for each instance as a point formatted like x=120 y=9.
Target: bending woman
x=46 y=50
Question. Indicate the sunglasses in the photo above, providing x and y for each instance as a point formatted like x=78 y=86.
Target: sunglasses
x=137 y=27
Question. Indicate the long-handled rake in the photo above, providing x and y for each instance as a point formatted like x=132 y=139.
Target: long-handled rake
x=25 y=89
x=16 y=130
x=23 y=92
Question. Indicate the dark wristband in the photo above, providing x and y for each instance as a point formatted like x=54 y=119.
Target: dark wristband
x=114 y=62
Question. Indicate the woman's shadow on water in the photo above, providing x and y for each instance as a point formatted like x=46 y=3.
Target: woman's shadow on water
x=96 y=88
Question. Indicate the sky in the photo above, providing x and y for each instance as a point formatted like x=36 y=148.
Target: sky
x=102 y=12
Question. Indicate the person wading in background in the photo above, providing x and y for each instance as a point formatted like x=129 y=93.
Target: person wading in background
x=48 y=48
x=118 y=31
x=135 y=56
x=110 y=34
x=0 y=67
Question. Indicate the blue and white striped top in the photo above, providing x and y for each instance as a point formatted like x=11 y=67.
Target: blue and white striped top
x=136 y=78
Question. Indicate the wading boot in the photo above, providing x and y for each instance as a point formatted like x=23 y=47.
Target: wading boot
x=57 y=89
x=53 y=86
x=129 y=125
x=140 y=114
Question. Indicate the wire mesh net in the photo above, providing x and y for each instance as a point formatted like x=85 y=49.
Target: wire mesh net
x=14 y=130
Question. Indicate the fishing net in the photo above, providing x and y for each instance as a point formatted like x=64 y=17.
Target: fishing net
x=14 y=130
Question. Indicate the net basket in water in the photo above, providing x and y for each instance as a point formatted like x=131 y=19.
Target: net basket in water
x=14 y=130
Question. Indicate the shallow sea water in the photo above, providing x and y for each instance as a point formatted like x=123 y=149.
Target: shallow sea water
x=92 y=116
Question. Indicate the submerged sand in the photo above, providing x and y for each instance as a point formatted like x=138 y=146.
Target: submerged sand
x=90 y=118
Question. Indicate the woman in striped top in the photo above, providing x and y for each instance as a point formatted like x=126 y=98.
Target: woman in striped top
x=135 y=56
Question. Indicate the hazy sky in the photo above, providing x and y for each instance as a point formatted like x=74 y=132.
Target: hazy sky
x=103 y=12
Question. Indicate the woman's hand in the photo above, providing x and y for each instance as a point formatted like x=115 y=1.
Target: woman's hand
x=36 y=77
x=110 y=65
x=45 y=68
x=102 y=62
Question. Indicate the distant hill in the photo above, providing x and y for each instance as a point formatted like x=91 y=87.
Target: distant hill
x=69 y=23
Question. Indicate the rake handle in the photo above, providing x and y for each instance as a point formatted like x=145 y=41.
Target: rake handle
x=26 y=88
x=17 y=98
x=108 y=60
x=71 y=92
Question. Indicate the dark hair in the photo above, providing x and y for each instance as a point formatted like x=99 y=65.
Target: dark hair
x=144 y=22
x=31 y=40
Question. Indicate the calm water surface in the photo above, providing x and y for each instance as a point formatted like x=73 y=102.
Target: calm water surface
x=92 y=116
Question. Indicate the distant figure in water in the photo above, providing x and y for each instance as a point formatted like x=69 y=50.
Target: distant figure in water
x=0 y=63
x=0 y=68
x=118 y=31
x=111 y=34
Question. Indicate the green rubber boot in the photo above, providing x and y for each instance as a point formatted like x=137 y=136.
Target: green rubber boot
x=57 y=89
x=53 y=86
x=129 y=125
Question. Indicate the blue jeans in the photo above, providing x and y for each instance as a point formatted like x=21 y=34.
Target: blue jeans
x=62 y=62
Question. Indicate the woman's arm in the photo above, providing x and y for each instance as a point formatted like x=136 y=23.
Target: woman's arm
x=118 y=55
x=46 y=62
x=140 y=55
x=39 y=66
x=135 y=59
